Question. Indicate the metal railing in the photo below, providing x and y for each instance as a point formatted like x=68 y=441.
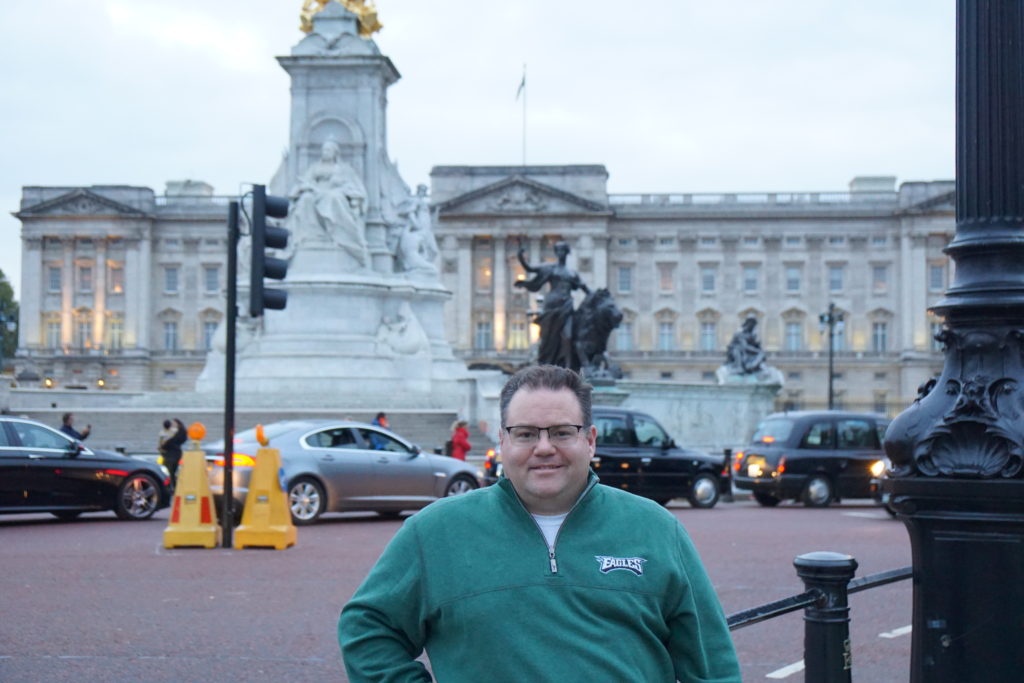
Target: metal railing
x=828 y=579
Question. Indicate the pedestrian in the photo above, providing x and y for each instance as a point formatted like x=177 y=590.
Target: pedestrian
x=381 y=420
x=460 y=439
x=172 y=438
x=377 y=442
x=584 y=582
x=67 y=426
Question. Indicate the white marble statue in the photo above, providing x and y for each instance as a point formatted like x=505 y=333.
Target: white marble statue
x=417 y=247
x=401 y=334
x=328 y=206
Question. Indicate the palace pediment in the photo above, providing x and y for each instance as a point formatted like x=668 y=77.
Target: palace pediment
x=80 y=202
x=517 y=195
x=942 y=203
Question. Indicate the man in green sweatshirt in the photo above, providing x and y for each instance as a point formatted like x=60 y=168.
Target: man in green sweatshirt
x=564 y=579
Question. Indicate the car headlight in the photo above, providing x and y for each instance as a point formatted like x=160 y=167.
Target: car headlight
x=877 y=468
x=167 y=472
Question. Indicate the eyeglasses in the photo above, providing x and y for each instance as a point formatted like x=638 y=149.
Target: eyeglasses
x=528 y=435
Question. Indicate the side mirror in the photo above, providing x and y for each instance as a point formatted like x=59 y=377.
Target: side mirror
x=670 y=443
x=75 y=448
x=416 y=450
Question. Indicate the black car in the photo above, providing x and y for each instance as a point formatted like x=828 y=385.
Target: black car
x=44 y=470
x=636 y=454
x=817 y=457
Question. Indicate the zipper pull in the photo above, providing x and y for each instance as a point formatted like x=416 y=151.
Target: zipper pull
x=551 y=559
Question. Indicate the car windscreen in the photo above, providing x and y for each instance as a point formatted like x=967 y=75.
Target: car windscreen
x=775 y=430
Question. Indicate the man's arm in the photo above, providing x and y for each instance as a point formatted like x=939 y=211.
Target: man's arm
x=700 y=644
x=382 y=629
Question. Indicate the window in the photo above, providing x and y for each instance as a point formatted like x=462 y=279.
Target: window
x=709 y=241
x=53 y=334
x=484 y=273
x=170 y=374
x=881 y=403
x=818 y=436
x=838 y=336
x=708 y=376
x=83 y=332
x=666 y=271
x=835 y=278
x=37 y=436
x=879 y=336
x=751 y=277
x=879 y=279
x=211 y=242
x=340 y=437
x=793 y=278
x=625 y=279
x=794 y=374
x=794 y=336
x=666 y=375
x=881 y=375
x=836 y=239
x=936 y=278
x=211 y=279
x=483 y=340
x=85 y=278
x=209 y=330
x=648 y=433
x=878 y=240
x=709 y=336
x=625 y=338
x=793 y=240
x=707 y=278
x=625 y=242
x=856 y=434
x=170 y=336
x=518 y=336
x=666 y=336
x=612 y=431
x=936 y=345
x=171 y=280
x=666 y=241
x=116 y=280
x=53 y=279
x=751 y=241
x=115 y=332
x=171 y=242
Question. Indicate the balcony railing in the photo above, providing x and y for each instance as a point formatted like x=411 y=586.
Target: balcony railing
x=727 y=199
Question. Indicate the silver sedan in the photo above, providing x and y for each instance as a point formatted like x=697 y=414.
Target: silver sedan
x=339 y=466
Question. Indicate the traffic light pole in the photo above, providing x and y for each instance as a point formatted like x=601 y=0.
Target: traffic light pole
x=226 y=517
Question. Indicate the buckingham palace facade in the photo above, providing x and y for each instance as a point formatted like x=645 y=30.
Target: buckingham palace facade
x=123 y=288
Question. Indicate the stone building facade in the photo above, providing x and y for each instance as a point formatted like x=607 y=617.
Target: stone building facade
x=687 y=269
x=123 y=289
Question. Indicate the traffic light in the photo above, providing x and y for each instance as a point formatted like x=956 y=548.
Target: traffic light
x=267 y=237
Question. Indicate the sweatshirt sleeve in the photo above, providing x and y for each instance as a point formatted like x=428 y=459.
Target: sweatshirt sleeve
x=382 y=629
x=700 y=644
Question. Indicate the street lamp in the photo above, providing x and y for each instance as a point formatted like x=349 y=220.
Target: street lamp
x=833 y=320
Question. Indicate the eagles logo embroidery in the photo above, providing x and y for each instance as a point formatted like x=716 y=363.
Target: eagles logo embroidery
x=630 y=564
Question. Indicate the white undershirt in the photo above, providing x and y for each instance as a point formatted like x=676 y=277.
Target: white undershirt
x=549 y=526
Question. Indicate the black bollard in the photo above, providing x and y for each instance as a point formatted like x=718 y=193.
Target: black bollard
x=827 y=651
x=727 y=496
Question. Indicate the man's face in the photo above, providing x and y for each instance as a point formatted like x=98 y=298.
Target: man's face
x=548 y=477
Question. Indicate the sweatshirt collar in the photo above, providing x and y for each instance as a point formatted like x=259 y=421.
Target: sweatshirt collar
x=505 y=484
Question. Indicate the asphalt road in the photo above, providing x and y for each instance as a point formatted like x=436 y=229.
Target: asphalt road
x=99 y=599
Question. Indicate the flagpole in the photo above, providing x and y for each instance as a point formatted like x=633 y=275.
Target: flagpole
x=524 y=114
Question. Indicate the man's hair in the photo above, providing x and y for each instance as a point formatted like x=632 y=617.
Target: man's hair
x=550 y=377
x=65 y=418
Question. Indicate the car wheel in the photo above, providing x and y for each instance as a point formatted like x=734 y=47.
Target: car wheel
x=818 y=492
x=765 y=499
x=460 y=485
x=306 y=499
x=67 y=515
x=137 y=498
x=703 y=491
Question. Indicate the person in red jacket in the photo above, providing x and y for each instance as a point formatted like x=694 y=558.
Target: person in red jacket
x=460 y=440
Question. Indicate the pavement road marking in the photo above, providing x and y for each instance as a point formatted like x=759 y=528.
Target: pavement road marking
x=896 y=633
x=795 y=667
x=867 y=515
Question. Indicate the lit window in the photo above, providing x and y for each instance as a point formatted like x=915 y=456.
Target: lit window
x=484 y=273
x=83 y=332
x=116 y=280
x=518 y=335
x=115 y=332
x=879 y=279
x=53 y=334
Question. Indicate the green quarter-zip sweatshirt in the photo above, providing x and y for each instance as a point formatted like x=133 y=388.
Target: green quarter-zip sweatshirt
x=622 y=596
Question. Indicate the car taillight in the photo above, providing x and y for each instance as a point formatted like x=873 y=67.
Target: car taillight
x=782 y=465
x=238 y=460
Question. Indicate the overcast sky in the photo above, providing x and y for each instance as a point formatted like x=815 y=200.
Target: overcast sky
x=670 y=95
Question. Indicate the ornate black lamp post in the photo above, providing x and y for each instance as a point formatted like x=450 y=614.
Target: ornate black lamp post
x=958 y=451
x=832 y=320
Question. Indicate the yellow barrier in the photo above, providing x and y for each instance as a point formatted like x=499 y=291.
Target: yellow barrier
x=193 y=518
x=266 y=519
